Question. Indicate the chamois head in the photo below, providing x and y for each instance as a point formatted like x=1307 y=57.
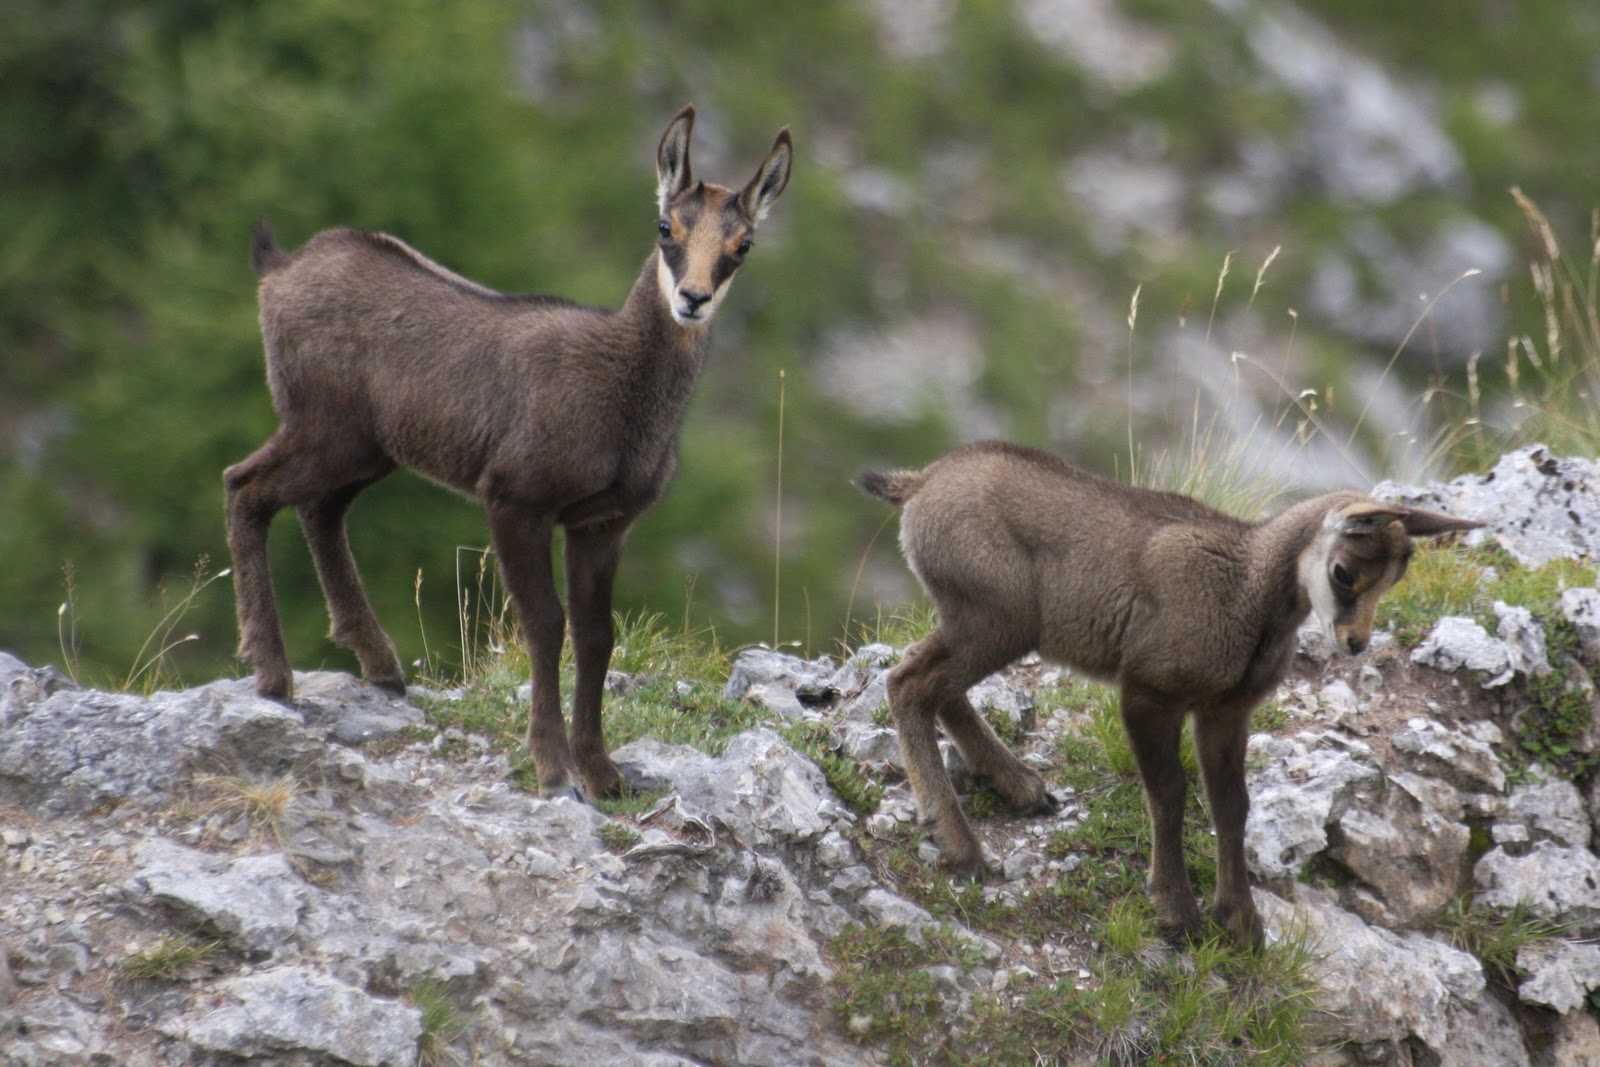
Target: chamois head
x=705 y=229
x=1363 y=549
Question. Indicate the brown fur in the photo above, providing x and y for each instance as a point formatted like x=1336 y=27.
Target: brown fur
x=1185 y=608
x=545 y=411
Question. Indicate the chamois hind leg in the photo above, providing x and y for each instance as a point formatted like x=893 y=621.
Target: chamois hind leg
x=915 y=692
x=1022 y=787
x=521 y=537
x=1221 y=736
x=287 y=471
x=1155 y=729
x=929 y=684
x=592 y=555
x=354 y=625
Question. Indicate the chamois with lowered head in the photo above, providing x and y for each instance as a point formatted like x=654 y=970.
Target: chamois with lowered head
x=1187 y=609
x=547 y=412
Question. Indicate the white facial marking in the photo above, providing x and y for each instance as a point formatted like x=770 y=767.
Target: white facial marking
x=678 y=305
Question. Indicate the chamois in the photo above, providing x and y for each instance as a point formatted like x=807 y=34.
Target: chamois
x=1187 y=609
x=547 y=412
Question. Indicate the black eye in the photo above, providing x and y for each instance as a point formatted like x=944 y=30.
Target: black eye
x=664 y=228
x=1342 y=578
x=744 y=246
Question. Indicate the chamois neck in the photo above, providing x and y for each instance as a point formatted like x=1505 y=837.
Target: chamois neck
x=1276 y=548
x=647 y=312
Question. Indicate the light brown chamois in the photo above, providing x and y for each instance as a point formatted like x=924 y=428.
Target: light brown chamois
x=1185 y=608
x=547 y=412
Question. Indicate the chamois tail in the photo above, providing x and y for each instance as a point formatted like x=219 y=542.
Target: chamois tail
x=896 y=487
x=265 y=255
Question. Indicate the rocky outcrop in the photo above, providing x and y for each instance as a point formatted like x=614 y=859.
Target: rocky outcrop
x=334 y=870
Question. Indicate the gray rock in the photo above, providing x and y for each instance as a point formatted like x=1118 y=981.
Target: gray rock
x=1556 y=882
x=1458 y=643
x=1366 y=138
x=1538 y=507
x=1116 y=51
x=1560 y=974
x=298 y=1010
x=760 y=788
x=1408 y=853
x=1523 y=638
x=1122 y=199
x=1376 y=985
x=872 y=744
x=1452 y=754
x=256 y=901
x=1574 y=1041
x=1548 y=809
x=1581 y=607
x=1483 y=1031
x=1302 y=785
x=765 y=667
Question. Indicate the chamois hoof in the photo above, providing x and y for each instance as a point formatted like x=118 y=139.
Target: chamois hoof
x=276 y=685
x=1182 y=933
x=1242 y=925
x=601 y=778
x=393 y=686
x=963 y=866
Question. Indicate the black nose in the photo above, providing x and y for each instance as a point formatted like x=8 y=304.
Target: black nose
x=693 y=298
x=1355 y=644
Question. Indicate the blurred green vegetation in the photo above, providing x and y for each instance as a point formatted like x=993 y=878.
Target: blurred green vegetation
x=513 y=142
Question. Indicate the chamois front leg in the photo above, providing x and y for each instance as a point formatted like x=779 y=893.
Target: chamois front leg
x=1154 y=732
x=1221 y=736
x=521 y=538
x=592 y=555
x=1022 y=787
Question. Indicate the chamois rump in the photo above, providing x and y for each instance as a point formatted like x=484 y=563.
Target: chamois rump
x=547 y=412
x=1187 y=609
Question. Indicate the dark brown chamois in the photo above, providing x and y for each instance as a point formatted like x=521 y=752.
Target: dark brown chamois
x=1187 y=609
x=546 y=412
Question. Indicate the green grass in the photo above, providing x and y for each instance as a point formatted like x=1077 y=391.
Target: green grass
x=1441 y=580
x=441 y=1023
x=167 y=959
x=1496 y=937
x=619 y=836
x=845 y=776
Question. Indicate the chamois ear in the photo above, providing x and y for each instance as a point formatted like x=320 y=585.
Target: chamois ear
x=771 y=178
x=1368 y=516
x=672 y=158
x=1421 y=523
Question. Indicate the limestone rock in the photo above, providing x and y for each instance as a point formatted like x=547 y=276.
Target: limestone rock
x=1556 y=882
x=1407 y=852
x=1538 y=507
x=298 y=1010
x=1549 y=809
x=1455 y=755
x=764 y=667
x=1560 y=974
x=1581 y=607
x=254 y=900
x=1376 y=985
x=1457 y=643
x=760 y=788
x=1303 y=784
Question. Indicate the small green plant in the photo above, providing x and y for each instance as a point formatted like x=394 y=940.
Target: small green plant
x=1496 y=937
x=844 y=775
x=618 y=836
x=441 y=1023
x=1440 y=580
x=167 y=959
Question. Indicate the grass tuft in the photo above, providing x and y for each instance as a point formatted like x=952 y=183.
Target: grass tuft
x=441 y=1023
x=167 y=960
x=1496 y=937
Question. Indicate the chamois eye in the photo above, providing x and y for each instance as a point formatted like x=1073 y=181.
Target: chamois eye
x=744 y=246
x=1342 y=578
x=664 y=228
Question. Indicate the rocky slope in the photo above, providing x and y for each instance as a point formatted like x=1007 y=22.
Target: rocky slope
x=204 y=877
